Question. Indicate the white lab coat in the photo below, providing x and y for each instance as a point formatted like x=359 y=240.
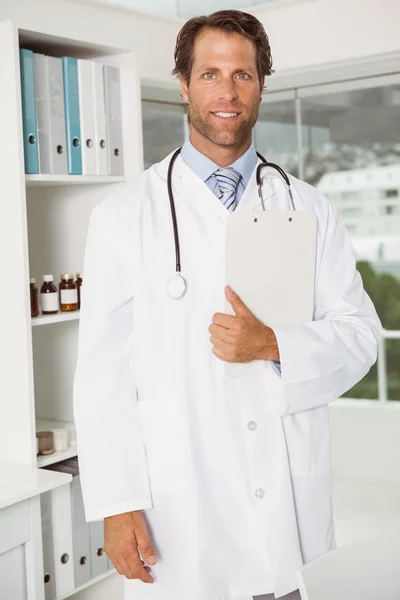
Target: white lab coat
x=161 y=428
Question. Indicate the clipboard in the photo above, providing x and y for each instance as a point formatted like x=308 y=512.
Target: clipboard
x=270 y=264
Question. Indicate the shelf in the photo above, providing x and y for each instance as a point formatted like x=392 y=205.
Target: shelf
x=51 y=459
x=58 y=180
x=88 y=584
x=58 y=318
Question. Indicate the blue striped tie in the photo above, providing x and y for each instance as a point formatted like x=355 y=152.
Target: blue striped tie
x=228 y=180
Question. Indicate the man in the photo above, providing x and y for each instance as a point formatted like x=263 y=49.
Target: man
x=221 y=485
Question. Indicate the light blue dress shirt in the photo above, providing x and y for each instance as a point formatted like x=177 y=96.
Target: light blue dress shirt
x=205 y=169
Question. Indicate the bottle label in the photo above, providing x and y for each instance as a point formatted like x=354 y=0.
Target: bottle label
x=49 y=302
x=69 y=296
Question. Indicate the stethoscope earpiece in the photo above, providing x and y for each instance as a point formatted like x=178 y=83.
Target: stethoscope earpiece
x=260 y=167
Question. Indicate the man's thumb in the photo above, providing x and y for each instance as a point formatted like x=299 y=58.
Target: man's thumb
x=146 y=549
x=236 y=302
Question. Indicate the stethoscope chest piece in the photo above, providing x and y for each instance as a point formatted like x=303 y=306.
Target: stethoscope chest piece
x=177 y=287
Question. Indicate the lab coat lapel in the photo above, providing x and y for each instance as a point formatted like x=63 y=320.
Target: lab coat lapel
x=195 y=191
x=190 y=188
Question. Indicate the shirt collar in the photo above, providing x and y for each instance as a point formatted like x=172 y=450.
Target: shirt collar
x=204 y=167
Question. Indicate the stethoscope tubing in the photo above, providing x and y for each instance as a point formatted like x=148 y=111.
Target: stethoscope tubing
x=173 y=211
x=259 y=180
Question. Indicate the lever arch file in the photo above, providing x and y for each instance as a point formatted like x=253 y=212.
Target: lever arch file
x=72 y=119
x=50 y=111
x=113 y=114
x=29 y=112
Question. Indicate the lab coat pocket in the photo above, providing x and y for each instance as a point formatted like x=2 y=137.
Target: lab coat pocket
x=164 y=440
x=308 y=441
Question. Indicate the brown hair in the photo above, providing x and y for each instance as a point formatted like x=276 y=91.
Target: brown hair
x=229 y=21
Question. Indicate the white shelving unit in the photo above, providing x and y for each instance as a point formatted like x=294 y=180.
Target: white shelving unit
x=43 y=226
x=57 y=318
x=86 y=585
x=55 y=457
x=51 y=459
x=56 y=180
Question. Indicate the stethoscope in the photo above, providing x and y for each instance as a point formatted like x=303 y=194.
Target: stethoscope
x=177 y=285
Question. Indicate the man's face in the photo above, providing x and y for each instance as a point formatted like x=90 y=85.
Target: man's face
x=224 y=91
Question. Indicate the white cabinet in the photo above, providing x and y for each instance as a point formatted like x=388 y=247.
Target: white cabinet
x=13 y=574
x=21 y=557
x=43 y=228
x=14 y=534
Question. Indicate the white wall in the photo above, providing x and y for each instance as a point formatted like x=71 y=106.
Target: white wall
x=153 y=38
x=314 y=32
x=303 y=33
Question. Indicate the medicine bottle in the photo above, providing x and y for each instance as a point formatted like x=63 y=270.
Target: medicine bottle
x=34 y=298
x=79 y=281
x=49 y=296
x=68 y=293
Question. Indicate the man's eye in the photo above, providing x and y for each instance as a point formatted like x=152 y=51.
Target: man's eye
x=244 y=76
x=208 y=76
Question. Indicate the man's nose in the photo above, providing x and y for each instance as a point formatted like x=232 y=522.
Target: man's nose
x=228 y=90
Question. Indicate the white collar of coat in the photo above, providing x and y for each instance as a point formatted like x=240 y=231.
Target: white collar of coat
x=250 y=199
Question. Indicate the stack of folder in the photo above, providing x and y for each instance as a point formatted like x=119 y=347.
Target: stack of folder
x=71 y=111
x=73 y=552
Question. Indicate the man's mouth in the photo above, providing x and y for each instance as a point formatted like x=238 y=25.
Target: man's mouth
x=226 y=115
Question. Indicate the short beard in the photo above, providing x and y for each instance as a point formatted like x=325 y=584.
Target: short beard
x=205 y=128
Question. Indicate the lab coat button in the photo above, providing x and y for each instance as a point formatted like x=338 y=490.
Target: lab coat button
x=252 y=425
x=260 y=493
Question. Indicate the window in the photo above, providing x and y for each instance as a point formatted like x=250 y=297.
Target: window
x=354 y=133
x=390 y=209
x=275 y=134
x=351 y=196
x=355 y=211
x=163 y=130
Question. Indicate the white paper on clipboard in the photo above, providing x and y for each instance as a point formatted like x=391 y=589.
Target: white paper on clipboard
x=270 y=264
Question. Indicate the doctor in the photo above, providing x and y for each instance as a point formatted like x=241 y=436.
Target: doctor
x=211 y=488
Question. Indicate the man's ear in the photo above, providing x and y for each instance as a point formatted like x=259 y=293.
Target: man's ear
x=184 y=89
x=262 y=85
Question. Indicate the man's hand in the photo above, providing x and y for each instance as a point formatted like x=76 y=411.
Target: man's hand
x=124 y=534
x=243 y=337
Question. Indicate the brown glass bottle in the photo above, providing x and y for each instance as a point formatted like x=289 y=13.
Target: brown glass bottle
x=49 y=296
x=34 y=298
x=68 y=293
x=79 y=281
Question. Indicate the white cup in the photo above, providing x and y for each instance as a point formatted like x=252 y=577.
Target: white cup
x=70 y=428
x=60 y=439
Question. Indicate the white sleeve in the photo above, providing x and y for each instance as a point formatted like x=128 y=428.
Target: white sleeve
x=112 y=460
x=322 y=359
